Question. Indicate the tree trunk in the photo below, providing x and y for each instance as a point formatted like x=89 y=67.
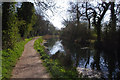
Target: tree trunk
x=113 y=17
x=78 y=18
x=88 y=17
x=89 y=24
x=98 y=26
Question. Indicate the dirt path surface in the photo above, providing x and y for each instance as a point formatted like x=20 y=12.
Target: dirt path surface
x=29 y=64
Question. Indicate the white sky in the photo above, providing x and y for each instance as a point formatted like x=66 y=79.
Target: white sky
x=61 y=13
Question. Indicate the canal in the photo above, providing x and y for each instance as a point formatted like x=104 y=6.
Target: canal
x=89 y=61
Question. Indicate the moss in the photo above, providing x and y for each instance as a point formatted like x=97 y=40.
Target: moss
x=10 y=57
x=53 y=66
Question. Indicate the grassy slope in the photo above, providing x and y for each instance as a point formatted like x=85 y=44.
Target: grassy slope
x=10 y=57
x=53 y=66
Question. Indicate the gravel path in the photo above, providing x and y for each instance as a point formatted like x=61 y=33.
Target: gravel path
x=29 y=64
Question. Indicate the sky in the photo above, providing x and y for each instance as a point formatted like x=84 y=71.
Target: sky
x=60 y=13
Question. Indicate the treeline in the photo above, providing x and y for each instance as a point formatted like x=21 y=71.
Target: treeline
x=76 y=34
x=86 y=25
x=20 y=21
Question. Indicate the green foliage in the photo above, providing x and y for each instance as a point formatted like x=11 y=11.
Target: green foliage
x=16 y=23
x=21 y=27
x=43 y=27
x=26 y=11
x=53 y=66
x=10 y=57
x=26 y=14
x=10 y=30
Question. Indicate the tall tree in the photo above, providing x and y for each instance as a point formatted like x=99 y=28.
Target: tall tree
x=98 y=17
x=9 y=25
x=113 y=16
x=27 y=14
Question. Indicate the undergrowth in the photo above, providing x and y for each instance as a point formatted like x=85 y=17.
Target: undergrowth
x=10 y=57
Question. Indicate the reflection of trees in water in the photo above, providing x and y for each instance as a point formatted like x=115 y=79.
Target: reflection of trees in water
x=65 y=60
x=110 y=59
x=96 y=62
x=88 y=59
x=76 y=53
x=111 y=65
x=118 y=56
x=51 y=42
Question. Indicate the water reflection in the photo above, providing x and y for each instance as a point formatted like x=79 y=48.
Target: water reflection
x=54 y=45
x=57 y=47
x=108 y=63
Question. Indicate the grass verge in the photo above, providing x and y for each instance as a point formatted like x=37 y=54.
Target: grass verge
x=53 y=66
x=10 y=57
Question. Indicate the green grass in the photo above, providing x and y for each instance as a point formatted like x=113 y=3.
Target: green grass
x=10 y=57
x=53 y=66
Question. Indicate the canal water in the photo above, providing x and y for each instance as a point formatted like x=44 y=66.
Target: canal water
x=89 y=60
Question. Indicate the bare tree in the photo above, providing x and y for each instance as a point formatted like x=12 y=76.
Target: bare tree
x=98 y=13
x=113 y=17
x=43 y=6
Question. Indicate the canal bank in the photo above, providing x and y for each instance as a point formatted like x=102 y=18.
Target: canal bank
x=90 y=62
x=53 y=66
